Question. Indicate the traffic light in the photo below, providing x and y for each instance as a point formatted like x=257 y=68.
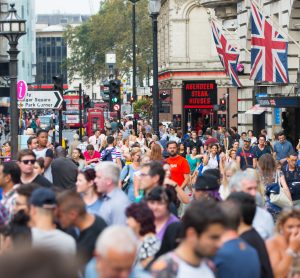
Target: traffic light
x=87 y=101
x=222 y=105
x=58 y=83
x=164 y=95
x=114 y=95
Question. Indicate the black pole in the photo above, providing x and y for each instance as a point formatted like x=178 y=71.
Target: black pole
x=14 y=115
x=60 y=126
x=80 y=112
x=227 y=110
x=155 y=93
x=134 y=95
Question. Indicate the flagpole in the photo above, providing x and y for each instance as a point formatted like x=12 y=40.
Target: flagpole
x=228 y=32
x=279 y=27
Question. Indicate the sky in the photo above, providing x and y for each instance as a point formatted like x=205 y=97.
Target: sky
x=66 y=6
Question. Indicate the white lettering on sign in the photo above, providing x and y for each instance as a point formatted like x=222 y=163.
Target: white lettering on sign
x=41 y=100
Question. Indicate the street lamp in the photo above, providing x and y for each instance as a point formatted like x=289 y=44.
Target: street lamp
x=154 y=8
x=12 y=28
x=134 y=95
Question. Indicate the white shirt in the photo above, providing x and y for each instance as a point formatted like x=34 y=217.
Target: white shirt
x=54 y=240
x=212 y=163
x=185 y=270
x=96 y=142
x=263 y=223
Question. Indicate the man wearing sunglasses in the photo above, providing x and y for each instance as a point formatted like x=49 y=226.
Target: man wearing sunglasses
x=26 y=160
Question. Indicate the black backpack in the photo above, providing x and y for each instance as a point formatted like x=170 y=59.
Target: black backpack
x=107 y=155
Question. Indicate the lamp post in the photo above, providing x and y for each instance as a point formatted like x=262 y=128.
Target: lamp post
x=134 y=95
x=154 y=8
x=12 y=28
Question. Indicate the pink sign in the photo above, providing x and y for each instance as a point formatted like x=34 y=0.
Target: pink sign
x=21 y=89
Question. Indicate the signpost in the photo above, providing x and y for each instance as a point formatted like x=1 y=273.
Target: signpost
x=41 y=100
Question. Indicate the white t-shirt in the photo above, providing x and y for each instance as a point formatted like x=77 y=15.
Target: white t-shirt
x=212 y=163
x=54 y=240
x=185 y=270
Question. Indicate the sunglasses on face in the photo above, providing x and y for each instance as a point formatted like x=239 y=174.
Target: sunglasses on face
x=27 y=161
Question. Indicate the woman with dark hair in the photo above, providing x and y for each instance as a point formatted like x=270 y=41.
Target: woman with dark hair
x=86 y=187
x=39 y=166
x=17 y=234
x=159 y=200
x=140 y=219
x=211 y=159
x=78 y=158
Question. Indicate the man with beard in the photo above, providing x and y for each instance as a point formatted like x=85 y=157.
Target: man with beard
x=180 y=169
x=202 y=227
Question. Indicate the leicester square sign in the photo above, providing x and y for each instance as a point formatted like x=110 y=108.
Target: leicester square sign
x=199 y=94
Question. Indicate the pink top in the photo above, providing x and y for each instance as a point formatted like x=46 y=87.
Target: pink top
x=88 y=157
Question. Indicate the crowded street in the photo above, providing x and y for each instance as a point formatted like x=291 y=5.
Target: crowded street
x=149 y=139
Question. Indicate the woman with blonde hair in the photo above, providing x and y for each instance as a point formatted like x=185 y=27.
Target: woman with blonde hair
x=128 y=172
x=156 y=153
x=284 y=247
x=229 y=170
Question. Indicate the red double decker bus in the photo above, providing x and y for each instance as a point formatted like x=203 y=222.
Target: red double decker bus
x=71 y=115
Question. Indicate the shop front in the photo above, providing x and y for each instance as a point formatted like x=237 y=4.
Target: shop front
x=200 y=101
x=290 y=113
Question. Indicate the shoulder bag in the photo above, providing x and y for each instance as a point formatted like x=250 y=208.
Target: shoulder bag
x=281 y=199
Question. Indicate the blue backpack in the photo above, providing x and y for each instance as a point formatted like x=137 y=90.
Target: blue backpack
x=107 y=155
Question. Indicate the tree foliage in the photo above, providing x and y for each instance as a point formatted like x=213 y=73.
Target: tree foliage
x=110 y=30
x=144 y=107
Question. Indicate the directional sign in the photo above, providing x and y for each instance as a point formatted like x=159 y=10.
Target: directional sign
x=42 y=100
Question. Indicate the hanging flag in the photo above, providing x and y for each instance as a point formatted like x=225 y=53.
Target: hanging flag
x=228 y=54
x=268 y=50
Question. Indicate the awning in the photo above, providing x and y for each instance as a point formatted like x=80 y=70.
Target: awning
x=256 y=110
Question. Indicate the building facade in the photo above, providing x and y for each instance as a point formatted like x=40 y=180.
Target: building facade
x=187 y=53
x=188 y=60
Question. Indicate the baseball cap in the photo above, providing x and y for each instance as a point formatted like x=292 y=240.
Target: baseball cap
x=213 y=173
x=43 y=198
x=204 y=183
x=247 y=139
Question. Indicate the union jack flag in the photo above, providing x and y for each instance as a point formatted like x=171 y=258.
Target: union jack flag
x=268 y=50
x=228 y=54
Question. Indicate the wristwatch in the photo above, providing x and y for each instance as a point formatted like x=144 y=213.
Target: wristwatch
x=291 y=253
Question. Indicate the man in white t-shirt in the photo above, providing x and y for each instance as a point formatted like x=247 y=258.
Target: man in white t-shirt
x=44 y=234
x=202 y=226
x=95 y=140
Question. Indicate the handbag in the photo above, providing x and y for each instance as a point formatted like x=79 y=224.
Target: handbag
x=280 y=199
x=125 y=181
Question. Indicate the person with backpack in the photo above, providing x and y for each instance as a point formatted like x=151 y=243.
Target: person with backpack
x=111 y=153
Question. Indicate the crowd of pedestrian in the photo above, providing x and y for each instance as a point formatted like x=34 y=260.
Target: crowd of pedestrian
x=125 y=202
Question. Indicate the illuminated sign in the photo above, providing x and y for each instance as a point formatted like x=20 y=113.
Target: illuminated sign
x=199 y=94
x=279 y=102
